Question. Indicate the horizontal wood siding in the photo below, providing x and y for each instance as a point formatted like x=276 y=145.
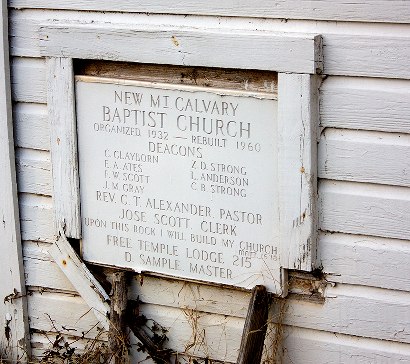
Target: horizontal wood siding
x=366 y=260
x=28 y=80
x=366 y=104
x=364 y=209
x=397 y=11
x=364 y=156
x=303 y=343
x=363 y=167
x=29 y=117
x=33 y=168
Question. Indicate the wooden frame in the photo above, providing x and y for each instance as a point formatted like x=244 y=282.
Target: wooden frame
x=297 y=116
x=13 y=308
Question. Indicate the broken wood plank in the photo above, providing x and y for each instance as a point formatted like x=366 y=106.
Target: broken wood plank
x=117 y=338
x=254 y=330
x=81 y=278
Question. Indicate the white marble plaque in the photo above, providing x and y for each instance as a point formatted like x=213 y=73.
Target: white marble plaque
x=179 y=180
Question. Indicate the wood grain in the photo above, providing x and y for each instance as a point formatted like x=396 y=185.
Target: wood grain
x=364 y=156
x=82 y=279
x=281 y=52
x=365 y=104
x=33 y=171
x=41 y=270
x=326 y=347
x=254 y=81
x=28 y=79
x=296 y=161
x=28 y=117
x=36 y=218
x=357 y=10
x=361 y=260
x=254 y=331
x=369 y=55
x=366 y=209
x=63 y=145
x=199 y=334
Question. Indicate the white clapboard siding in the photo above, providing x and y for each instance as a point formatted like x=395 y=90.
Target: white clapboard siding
x=204 y=298
x=28 y=80
x=361 y=50
x=351 y=310
x=357 y=311
x=313 y=346
x=358 y=10
x=33 y=171
x=41 y=270
x=71 y=315
x=36 y=217
x=362 y=208
x=367 y=55
x=364 y=156
x=365 y=260
x=365 y=103
x=41 y=342
x=57 y=312
x=28 y=118
x=213 y=336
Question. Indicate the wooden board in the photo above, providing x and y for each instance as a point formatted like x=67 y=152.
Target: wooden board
x=364 y=209
x=366 y=104
x=63 y=146
x=29 y=117
x=65 y=313
x=366 y=55
x=222 y=78
x=33 y=171
x=358 y=10
x=82 y=279
x=297 y=156
x=28 y=80
x=281 y=52
x=361 y=260
x=14 y=334
x=36 y=218
x=41 y=270
x=326 y=347
x=365 y=157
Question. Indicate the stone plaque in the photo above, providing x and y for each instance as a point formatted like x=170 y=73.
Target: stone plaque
x=179 y=180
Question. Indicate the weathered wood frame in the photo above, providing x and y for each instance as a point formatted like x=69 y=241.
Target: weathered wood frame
x=297 y=58
x=14 y=331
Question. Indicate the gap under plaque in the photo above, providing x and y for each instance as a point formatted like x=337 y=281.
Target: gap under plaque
x=179 y=180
